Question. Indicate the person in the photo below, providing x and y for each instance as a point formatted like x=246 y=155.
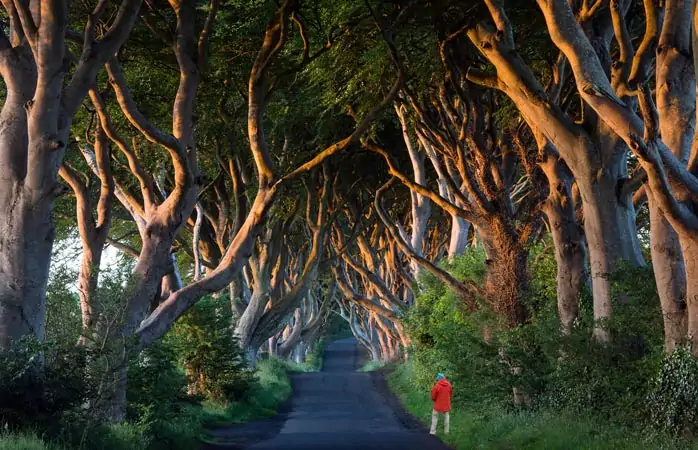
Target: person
x=441 y=396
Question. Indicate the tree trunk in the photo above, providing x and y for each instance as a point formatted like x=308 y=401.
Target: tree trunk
x=421 y=206
x=676 y=105
x=459 y=237
x=570 y=248
x=251 y=354
x=273 y=343
x=172 y=280
x=247 y=324
x=607 y=225
x=506 y=279
x=669 y=275
x=294 y=337
x=146 y=281
x=26 y=226
x=382 y=342
x=689 y=247
x=237 y=298
x=26 y=240
x=363 y=339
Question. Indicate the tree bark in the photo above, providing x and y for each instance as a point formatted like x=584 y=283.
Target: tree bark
x=294 y=338
x=669 y=275
x=506 y=280
x=608 y=220
x=459 y=237
x=93 y=230
x=570 y=249
x=421 y=206
x=689 y=247
x=676 y=103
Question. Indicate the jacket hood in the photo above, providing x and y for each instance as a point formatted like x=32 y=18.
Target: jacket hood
x=443 y=382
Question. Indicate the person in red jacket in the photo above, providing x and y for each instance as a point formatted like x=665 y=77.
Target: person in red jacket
x=441 y=396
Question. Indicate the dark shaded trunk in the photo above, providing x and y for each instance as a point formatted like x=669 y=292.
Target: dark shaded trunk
x=506 y=280
x=570 y=247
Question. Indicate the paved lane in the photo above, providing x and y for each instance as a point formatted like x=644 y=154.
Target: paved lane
x=340 y=408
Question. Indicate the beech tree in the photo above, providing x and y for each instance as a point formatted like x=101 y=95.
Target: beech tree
x=46 y=84
x=583 y=33
x=479 y=165
x=154 y=298
x=276 y=266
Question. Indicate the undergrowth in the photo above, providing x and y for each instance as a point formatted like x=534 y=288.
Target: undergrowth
x=581 y=394
x=313 y=361
x=476 y=426
x=371 y=366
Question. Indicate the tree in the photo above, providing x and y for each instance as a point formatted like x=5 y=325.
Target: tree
x=41 y=100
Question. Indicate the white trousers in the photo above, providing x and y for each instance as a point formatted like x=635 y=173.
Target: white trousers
x=435 y=421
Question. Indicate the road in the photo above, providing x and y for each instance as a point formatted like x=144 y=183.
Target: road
x=338 y=409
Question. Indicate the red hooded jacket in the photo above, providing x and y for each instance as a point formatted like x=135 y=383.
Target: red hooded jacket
x=441 y=395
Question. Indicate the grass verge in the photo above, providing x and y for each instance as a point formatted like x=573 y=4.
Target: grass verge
x=23 y=441
x=182 y=432
x=273 y=387
x=313 y=361
x=475 y=427
x=185 y=431
x=370 y=366
x=269 y=392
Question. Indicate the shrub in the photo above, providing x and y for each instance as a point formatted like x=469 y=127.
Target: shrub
x=315 y=357
x=156 y=388
x=40 y=383
x=215 y=363
x=609 y=379
x=371 y=366
x=673 y=398
x=571 y=372
x=269 y=390
x=313 y=360
x=23 y=442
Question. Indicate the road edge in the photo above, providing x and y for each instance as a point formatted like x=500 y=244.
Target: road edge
x=410 y=422
x=275 y=424
x=378 y=377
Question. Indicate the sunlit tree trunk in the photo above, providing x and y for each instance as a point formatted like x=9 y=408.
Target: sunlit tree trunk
x=676 y=103
x=93 y=231
x=608 y=220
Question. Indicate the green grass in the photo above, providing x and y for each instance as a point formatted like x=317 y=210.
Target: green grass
x=180 y=433
x=272 y=388
x=304 y=367
x=23 y=441
x=184 y=432
x=370 y=366
x=474 y=427
x=313 y=361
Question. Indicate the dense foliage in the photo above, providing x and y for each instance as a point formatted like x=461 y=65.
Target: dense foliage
x=196 y=196
x=629 y=383
x=54 y=396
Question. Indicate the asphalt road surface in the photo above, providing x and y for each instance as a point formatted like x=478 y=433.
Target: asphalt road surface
x=337 y=408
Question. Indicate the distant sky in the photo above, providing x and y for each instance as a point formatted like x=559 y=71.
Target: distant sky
x=68 y=253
